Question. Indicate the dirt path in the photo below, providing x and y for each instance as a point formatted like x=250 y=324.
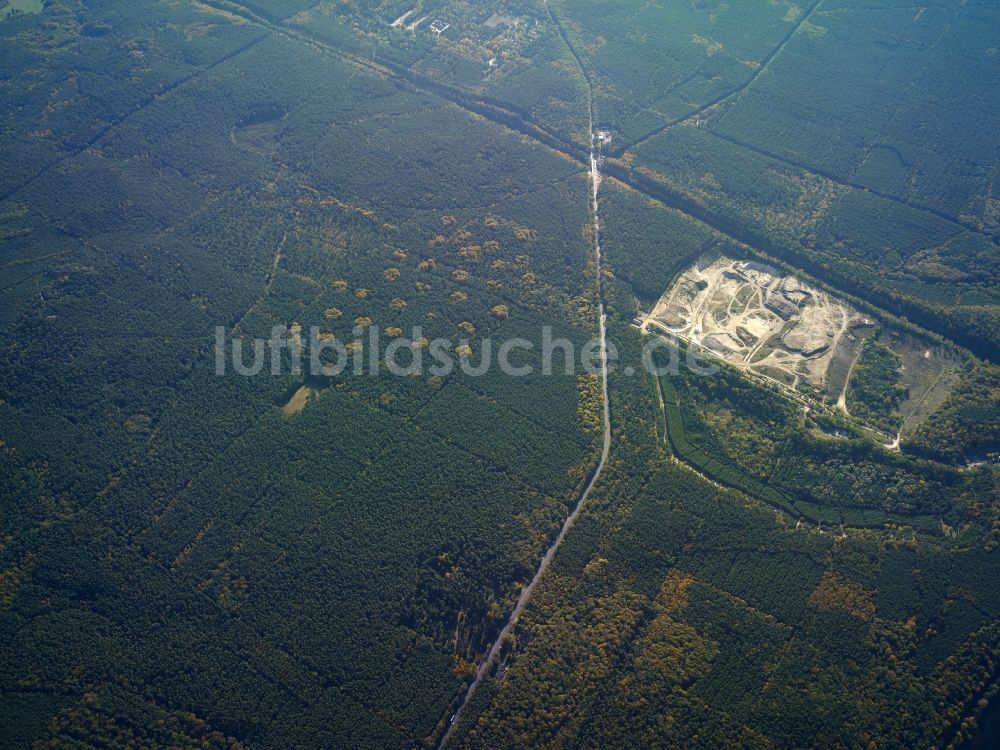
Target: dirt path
x=842 y=399
x=268 y=283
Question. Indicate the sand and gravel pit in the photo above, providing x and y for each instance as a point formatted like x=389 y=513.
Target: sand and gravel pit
x=759 y=318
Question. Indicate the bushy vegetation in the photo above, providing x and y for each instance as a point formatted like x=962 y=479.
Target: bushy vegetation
x=967 y=427
x=746 y=438
x=875 y=390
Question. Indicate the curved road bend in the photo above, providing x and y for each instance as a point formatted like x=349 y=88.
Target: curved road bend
x=526 y=592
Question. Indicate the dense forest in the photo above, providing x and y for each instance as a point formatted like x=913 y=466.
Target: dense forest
x=300 y=560
x=174 y=542
x=875 y=390
x=686 y=612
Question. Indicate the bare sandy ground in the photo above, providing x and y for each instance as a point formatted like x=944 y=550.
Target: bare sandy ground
x=760 y=319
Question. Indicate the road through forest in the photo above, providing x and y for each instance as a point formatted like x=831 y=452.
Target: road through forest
x=526 y=592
